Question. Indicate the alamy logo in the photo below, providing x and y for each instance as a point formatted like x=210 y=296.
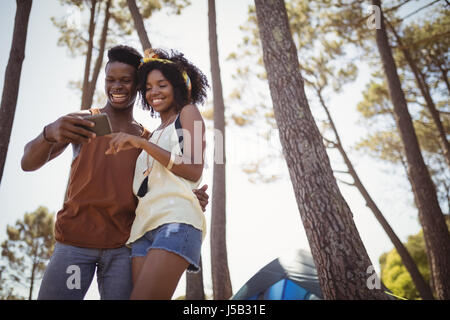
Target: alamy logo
x=373 y=282
x=374 y=20
x=74 y=280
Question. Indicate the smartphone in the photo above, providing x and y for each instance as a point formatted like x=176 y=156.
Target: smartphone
x=102 y=124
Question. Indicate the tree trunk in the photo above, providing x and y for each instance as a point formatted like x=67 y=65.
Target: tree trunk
x=425 y=90
x=219 y=261
x=194 y=285
x=12 y=77
x=98 y=63
x=139 y=24
x=444 y=77
x=437 y=237
x=420 y=283
x=194 y=281
x=33 y=269
x=87 y=65
x=340 y=257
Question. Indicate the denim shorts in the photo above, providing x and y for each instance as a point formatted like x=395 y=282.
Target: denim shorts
x=179 y=238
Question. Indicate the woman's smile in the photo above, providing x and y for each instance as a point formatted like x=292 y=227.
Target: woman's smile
x=157 y=102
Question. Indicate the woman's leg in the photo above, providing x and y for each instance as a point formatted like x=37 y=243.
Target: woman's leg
x=159 y=275
x=136 y=267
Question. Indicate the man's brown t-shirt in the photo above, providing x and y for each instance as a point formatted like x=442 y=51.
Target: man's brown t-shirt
x=100 y=205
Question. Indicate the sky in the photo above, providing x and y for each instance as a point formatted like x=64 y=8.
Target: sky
x=263 y=220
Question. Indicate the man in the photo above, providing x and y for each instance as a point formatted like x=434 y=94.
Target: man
x=94 y=224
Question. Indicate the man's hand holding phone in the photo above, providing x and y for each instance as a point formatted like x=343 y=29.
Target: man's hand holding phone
x=69 y=129
x=77 y=129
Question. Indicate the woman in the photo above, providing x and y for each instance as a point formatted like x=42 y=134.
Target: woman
x=169 y=227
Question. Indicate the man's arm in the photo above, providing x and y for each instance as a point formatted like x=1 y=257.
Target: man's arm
x=54 y=139
x=38 y=152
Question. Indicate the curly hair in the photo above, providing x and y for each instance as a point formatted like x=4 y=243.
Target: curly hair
x=173 y=73
x=124 y=54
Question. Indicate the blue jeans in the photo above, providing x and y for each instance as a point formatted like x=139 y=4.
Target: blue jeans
x=71 y=270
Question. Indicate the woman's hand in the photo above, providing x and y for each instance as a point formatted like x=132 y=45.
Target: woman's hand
x=124 y=141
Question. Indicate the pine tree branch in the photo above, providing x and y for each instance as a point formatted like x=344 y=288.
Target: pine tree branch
x=418 y=10
x=341 y=171
x=345 y=182
x=331 y=143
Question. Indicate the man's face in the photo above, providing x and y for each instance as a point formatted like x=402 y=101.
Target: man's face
x=120 y=85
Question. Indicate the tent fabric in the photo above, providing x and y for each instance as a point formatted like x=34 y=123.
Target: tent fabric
x=285 y=289
x=291 y=276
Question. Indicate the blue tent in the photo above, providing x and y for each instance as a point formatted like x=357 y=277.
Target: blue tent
x=290 y=277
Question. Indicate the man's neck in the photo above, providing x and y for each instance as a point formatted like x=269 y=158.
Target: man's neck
x=119 y=115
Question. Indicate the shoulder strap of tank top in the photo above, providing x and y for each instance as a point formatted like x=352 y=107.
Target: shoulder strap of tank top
x=94 y=111
x=145 y=133
x=179 y=130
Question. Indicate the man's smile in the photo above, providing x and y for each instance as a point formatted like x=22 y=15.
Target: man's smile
x=119 y=97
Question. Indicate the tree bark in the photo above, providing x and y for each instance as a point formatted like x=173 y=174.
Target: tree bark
x=98 y=63
x=33 y=268
x=87 y=65
x=194 y=285
x=11 y=82
x=139 y=24
x=420 y=283
x=194 y=281
x=340 y=257
x=437 y=237
x=219 y=262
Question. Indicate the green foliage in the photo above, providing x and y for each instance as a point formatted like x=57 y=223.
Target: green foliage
x=383 y=141
x=322 y=64
x=331 y=35
x=375 y=101
x=394 y=274
x=385 y=145
x=75 y=36
x=6 y=292
x=121 y=14
x=425 y=40
x=428 y=42
x=25 y=253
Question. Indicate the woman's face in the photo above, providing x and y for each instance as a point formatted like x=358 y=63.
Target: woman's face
x=159 y=92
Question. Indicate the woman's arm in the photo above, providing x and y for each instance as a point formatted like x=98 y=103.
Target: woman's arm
x=188 y=166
